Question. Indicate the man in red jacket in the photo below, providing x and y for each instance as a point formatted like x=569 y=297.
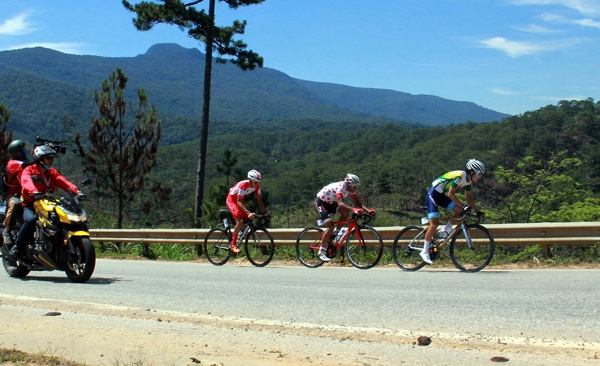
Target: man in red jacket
x=36 y=180
x=18 y=154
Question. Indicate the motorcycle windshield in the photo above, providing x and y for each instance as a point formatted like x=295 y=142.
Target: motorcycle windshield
x=68 y=202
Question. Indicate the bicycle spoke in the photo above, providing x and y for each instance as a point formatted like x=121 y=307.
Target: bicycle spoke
x=307 y=246
x=364 y=248
x=406 y=248
x=473 y=256
x=216 y=246
x=259 y=247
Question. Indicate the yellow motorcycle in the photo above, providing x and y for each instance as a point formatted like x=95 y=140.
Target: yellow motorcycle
x=61 y=240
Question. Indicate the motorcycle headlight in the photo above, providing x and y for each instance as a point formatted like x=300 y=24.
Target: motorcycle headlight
x=73 y=217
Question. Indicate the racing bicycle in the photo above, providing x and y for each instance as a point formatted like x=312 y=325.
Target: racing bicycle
x=471 y=245
x=257 y=242
x=364 y=246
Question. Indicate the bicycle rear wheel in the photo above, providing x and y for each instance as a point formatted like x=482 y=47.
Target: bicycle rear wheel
x=472 y=258
x=216 y=246
x=406 y=248
x=307 y=246
x=364 y=247
x=259 y=247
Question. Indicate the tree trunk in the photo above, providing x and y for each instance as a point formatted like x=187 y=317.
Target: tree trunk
x=205 y=117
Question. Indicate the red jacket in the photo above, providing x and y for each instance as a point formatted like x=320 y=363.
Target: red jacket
x=13 y=177
x=49 y=180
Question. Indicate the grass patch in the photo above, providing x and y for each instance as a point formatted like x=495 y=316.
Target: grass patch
x=19 y=358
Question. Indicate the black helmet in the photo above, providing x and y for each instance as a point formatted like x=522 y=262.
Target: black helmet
x=16 y=150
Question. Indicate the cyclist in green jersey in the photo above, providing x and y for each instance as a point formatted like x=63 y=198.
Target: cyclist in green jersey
x=443 y=193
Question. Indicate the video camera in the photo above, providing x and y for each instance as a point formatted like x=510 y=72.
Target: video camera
x=56 y=145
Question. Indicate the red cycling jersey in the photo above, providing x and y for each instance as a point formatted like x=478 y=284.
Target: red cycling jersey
x=237 y=193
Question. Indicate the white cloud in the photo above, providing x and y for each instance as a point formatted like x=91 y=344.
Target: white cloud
x=512 y=48
x=17 y=26
x=516 y=49
x=585 y=22
x=501 y=91
x=71 y=48
x=537 y=29
x=585 y=7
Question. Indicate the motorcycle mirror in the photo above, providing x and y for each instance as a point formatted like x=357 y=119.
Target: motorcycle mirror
x=86 y=182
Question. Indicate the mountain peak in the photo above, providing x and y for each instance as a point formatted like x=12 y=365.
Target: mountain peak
x=172 y=49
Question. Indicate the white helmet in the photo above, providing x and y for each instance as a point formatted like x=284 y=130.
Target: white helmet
x=476 y=166
x=352 y=180
x=41 y=151
x=254 y=175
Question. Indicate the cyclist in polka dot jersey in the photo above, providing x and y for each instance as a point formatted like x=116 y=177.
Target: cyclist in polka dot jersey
x=330 y=200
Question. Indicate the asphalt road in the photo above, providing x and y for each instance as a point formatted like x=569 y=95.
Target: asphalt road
x=330 y=315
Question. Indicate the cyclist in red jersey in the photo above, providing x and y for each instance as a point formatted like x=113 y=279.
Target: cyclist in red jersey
x=330 y=200
x=235 y=204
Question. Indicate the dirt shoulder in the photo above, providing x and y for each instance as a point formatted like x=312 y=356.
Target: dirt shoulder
x=111 y=335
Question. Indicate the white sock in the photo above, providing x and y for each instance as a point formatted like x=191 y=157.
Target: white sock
x=448 y=227
x=425 y=246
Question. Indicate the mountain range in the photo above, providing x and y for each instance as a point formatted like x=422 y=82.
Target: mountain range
x=40 y=86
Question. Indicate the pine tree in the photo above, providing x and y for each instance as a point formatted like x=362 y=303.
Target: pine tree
x=201 y=26
x=122 y=151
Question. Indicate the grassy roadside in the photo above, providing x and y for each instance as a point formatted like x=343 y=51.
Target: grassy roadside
x=18 y=358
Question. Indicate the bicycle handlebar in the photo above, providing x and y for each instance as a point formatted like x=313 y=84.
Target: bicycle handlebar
x=365 y=217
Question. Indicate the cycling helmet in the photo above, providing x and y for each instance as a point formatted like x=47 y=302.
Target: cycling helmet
x=41 y=151
x=254 y=175
x=476 y=166
x=352 y=180
x=16 y=150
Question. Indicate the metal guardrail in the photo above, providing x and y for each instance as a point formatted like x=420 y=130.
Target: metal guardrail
x=576 y=233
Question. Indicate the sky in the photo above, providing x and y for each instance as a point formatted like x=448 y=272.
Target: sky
x=511 y=56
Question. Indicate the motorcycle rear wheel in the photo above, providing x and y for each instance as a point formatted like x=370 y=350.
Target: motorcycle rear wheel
x=11 y=266
x=80 y=270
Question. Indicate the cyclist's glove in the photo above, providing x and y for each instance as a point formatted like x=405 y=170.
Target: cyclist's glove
x=82 y=197
x=372 y=213
x=37 y=195
x=357 y=211
x=481 y=215
x=466 y=209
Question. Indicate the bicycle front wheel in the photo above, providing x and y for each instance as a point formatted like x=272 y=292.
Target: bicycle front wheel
x=407 y=246
x=259 y=247
x=307 y=246
x=475 y=257
x=216 y=246
x=364 y=247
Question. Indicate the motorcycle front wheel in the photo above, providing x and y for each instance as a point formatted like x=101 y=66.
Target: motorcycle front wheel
x=81 y=264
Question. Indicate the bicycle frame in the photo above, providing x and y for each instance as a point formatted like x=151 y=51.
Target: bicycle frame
x=471 y=245
x=460 y=225
x=257 y=242
x=353 y=221
x=362 y=243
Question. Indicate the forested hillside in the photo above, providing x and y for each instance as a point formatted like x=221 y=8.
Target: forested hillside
x=40 y=86
x=541 y=166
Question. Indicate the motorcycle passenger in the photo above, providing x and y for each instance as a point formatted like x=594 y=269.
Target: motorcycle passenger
x=36 y=180
x=18 y=154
